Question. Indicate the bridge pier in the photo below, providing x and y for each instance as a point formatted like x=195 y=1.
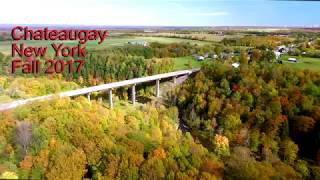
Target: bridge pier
x=158 y=88
x=100 y=100
x=174 y=79
x=110 y=99
x=133 y=94
x=89 y=97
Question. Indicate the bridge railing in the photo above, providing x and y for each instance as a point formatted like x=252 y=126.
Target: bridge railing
x=103 y=87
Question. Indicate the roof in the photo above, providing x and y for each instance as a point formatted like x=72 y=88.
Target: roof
x=282 y=47
x=200 y=57
x=292 y=59
x=236 y=65
x=138 y=42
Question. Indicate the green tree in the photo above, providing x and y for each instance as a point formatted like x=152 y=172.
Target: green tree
x=288 y=151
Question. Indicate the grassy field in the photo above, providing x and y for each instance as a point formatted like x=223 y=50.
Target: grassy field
x=303 y=62
x=187 y=62
x=204 y=36
x=5 y=46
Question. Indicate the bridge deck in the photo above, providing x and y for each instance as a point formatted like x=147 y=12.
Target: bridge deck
x=14 y=104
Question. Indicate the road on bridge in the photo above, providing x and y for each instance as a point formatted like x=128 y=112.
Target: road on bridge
x=178 y=77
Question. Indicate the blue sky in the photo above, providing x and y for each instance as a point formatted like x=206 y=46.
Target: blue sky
x=162 y=12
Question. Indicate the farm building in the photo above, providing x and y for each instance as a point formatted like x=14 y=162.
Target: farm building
x=235 y=65
x=143 y=43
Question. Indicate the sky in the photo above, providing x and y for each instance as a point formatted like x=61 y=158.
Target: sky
x=162 y=12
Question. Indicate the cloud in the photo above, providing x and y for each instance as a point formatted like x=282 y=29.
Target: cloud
x=208 y=14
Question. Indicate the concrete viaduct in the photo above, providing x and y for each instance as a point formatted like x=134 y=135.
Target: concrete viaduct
x=105 y=87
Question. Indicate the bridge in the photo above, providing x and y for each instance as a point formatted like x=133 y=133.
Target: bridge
x=105 y=87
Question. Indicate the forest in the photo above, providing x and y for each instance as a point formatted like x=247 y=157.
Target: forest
x=258 y=121
x=269 y=113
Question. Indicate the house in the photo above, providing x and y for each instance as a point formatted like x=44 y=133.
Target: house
x=224 y=55
x=277 y=54
x=200 y=58
x=143 y=43
x=282 y=49
x=206 y=55
x=214 y=56
x=235 y=65
x=294 y=60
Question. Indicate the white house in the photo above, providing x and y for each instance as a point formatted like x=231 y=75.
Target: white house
x=214 y=56
x=292 y=60
x=236 y=65
x=278 y=54
x=200 y=58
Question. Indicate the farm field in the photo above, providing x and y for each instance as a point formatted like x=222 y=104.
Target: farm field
x=303 y=62
x=204 y=36
x=187 y=62
x=5 y=46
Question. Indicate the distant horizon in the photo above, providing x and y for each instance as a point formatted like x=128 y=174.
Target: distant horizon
x=186 y=26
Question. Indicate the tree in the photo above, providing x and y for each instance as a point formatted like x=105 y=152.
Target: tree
x=9 y=175
x=268 y=56
x=303 y=123
x=26 y=163
x=256 y=55
x=302 y=167
x=230 y=124
x=254 y=140
x=240 y=165
x=225 y=87
x=221 y=145
x=243 y=58
x=69 y=164
x=288 y=151
x=153 y=169
x=23 y=135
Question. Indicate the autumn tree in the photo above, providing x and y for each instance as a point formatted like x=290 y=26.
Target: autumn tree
x=23 y=135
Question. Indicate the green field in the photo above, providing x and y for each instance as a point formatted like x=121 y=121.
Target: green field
x=187 y=62
x=205 y=36
x=5 y=46
x=303 y=62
